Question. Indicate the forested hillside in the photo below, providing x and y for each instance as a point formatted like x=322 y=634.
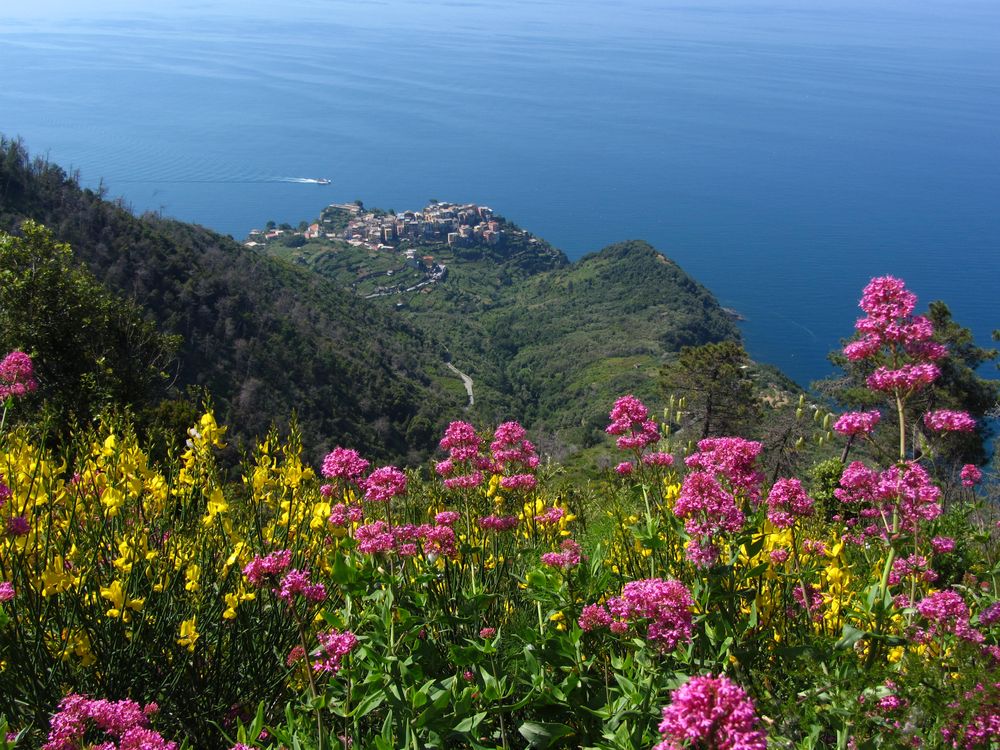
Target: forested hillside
x=265 y=338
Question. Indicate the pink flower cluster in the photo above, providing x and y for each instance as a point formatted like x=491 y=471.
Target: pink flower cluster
x=890 y=322
x=631 y=423
x=907 y=489
x=971 y=475
x=946 y=612
x=569 y=557
x=334 y=645
x=912 y=567
x=125 y=722
x=17 y=376
x=907 y=378
x=977 y=721
x=710 y=712
x=498 y=523
x=346 y=464
x=707 y=510
x=734 y=459
x=664 y=605
x=513 y=457
x=384 y=483
x=786 y=502
x=944 y=420
x=6 y=591
x=5 y=492
x=377 y=537
x=857 y=423
x=463 y=469
x=267 y=569
x=261 y=569
x=550 y=517
x=296 y=583
x=342 y=515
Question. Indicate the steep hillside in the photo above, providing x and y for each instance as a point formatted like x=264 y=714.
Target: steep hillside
x=265 y=337
x=546 y=341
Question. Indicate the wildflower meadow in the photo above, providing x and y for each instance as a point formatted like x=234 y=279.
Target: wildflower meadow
x=685 y=599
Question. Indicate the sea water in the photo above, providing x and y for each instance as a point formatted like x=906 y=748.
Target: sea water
x=782 y=151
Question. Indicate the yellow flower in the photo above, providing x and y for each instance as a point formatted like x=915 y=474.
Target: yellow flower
x=188 y=634
x=115 y=593
x=191 y=574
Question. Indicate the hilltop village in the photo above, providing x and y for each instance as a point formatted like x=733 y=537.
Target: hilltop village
x=409 y=243
x=457 y=225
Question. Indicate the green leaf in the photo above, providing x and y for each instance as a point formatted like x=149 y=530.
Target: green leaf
x=470 y=723
x=849 y=637
x=541 y=735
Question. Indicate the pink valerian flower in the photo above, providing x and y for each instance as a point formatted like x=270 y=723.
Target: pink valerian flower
x=786 y=502
x=664 y=605
x=912 y=567
x=550 y=517
x=498 y=523
x=440 y=540
x=990 y=615
x=630 y=422
x=124 y=721
x=947 y=612
x=734 y=459
x=464 y=481
x=384 y=483
x=710 y=712
x=659 y=458
x=814 y=547
x=593 y=617
x=857 y=484
x=624 y=469
x=373 y=538
x=487 y=633
x=907 y=378
x=261 y=569
x=18 y=526
x=942 y=545
x=779 y=556
x=519 y=482
x=909 y=488
x=857 y=423
x=346 y=464
x=334 y=645
x=971 y=475
x=342 y=515
x=863 y=348
x=944 y=420
x=511 y=451
x=296 y=583
x=569 y=557
x=17 y=376
x=809 y=599
x=707 y=511
x=447 y=517
x=886 y=300
x=6 y=591
x=461 y=441
x=975 y=722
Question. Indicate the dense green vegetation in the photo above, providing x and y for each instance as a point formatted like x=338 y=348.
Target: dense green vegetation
x=541 y=337
x=264 y=338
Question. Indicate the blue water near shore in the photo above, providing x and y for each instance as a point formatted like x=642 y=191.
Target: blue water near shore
x=782 y=151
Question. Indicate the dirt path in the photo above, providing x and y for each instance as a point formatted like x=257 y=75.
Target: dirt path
x=466 y=380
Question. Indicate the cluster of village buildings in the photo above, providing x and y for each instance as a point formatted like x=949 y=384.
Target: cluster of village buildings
x=457 y=225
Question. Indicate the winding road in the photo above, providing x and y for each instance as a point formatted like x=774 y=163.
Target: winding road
x=466 y=380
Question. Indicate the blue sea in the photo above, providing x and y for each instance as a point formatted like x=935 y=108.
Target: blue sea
x=782 y=151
